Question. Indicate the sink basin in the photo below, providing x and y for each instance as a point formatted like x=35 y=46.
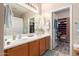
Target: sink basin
x=28 y=36
x=7 y=43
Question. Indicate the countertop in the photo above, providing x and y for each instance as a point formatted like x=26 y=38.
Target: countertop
x=17 y=42
x=76 y=46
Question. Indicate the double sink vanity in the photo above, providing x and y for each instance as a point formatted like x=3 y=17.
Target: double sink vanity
x=28 y=46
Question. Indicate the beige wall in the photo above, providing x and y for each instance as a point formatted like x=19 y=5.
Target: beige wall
x=1 y=27
x=75 y=20
x=48 y=7
x=63 y=14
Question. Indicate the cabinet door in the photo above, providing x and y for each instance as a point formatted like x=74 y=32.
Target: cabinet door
x=21 y=50
x=42 y=46
x=34 y=48
x=47 y=39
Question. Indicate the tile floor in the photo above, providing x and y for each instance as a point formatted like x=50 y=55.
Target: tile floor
x=62 y=50
x=49 y=53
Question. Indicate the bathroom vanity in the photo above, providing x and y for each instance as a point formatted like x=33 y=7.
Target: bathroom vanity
x=24 y=21
x=34 y=46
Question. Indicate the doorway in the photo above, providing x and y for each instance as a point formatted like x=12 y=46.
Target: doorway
x=61 y=31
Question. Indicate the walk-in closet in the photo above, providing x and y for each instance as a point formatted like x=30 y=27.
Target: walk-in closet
x=61 y=32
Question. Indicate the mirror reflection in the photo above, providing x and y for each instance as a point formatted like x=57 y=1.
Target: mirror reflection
x=20 y=21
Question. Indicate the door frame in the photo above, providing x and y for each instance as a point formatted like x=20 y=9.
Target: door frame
x=71 y=20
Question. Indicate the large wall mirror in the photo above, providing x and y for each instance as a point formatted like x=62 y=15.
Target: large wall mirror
x=18 y=20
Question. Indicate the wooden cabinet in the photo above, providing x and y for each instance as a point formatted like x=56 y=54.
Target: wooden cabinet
x=34 y=48
x=21 y=50
x=42 y=46
x=75 y=52
x=47 y=42
x=39 y=47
